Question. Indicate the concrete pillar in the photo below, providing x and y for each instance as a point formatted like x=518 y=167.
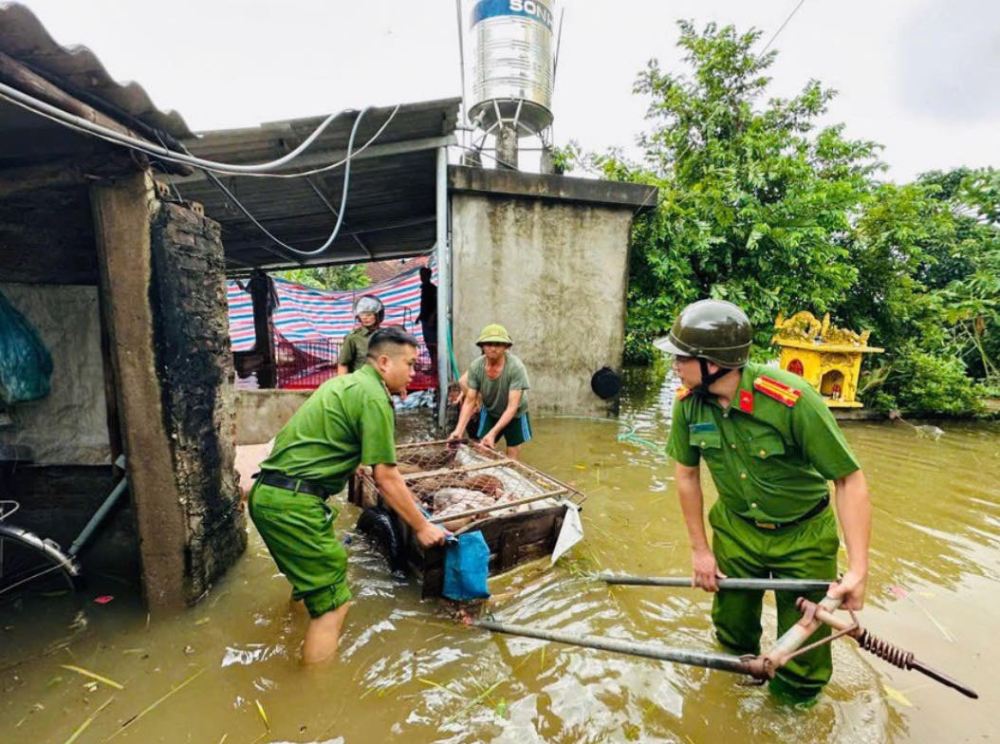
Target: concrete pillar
x=546 y=162
x=506 y=148
x=161 y=275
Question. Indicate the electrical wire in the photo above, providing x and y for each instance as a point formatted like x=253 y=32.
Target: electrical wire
x=343 y=201
x=782 y=26
x=767 y=46
x=78 y=123
x=331 y=166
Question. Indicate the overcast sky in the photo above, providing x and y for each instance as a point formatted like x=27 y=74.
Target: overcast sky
x=920 y=76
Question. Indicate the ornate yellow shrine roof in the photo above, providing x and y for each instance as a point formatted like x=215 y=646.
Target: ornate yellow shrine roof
x=804 y=331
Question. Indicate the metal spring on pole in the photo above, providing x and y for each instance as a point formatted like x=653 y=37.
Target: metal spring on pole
x=885 y=650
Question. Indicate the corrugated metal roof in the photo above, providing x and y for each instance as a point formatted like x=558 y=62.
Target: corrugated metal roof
x=23 y=37
x=391 y=204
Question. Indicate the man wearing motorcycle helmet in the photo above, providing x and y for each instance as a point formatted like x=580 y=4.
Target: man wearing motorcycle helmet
x=369 y=312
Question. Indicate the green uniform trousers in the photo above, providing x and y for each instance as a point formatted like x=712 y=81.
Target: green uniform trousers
x=297 y=529
x=803 y=551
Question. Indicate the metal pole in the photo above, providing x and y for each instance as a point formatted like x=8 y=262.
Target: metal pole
x=721 y=662
x=443 y=251
x=461 y=53
x=788 y=585
x=101 y=513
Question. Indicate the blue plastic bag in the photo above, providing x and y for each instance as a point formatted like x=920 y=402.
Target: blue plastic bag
x=25 y=363
x=466 y=567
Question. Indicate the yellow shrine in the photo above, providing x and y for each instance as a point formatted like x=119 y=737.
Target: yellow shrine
x=829 y=358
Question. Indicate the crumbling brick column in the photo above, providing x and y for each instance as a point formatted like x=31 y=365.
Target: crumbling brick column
x=194 y=362
x=163 y=286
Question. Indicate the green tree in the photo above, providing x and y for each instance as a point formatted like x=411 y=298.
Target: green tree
x=755 y=198
x=972 y=298
x=900 y=236
x=762 y=206
x=344 y=276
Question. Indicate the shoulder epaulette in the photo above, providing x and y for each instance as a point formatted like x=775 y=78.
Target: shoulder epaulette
x=779 y=391
x=682 y=392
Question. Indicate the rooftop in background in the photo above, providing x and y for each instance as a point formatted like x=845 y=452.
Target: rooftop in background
x=391 y=199
x=381 y=271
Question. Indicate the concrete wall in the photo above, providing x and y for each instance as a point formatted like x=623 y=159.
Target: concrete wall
x=261 y=413
x=69 y=426
x=547 y=257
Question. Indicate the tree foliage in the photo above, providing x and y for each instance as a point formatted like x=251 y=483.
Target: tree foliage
x=345 y=276
x=761 y=205
x=754 y=198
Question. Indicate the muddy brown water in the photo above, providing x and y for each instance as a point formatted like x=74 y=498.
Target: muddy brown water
x=408 y=672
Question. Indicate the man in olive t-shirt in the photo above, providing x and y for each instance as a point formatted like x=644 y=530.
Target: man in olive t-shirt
x=348 y=421
x=500 y=380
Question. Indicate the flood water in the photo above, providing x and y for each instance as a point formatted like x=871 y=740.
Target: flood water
x=408 y=672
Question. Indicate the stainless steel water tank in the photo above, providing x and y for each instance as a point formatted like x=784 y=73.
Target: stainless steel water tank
x=511 y=46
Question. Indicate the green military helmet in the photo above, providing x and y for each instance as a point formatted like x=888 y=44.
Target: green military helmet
x=494 y=333
x=715 y=330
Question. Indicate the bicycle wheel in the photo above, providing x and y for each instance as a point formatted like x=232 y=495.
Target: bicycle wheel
x=33 y=568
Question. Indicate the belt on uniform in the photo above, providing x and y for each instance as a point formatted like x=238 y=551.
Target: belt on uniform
x=298 y=485
x=824 y=502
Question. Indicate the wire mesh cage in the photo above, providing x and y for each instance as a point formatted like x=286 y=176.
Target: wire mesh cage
x=452 y=480
x=464 y=487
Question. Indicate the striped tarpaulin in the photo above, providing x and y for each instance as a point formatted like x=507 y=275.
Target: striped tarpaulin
x=306 y=314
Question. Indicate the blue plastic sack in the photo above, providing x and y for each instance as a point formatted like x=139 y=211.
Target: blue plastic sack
x=466 y=567
x=25 y=363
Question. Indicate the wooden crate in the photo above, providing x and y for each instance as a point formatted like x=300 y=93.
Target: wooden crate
x=513 y=538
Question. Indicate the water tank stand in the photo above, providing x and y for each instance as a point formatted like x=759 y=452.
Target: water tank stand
x=506 y=147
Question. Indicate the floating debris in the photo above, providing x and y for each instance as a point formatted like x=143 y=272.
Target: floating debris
x=93 y=675
x=89 y=720
x=153 y=705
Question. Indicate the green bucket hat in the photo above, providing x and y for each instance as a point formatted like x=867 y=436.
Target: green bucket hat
x=494 y=333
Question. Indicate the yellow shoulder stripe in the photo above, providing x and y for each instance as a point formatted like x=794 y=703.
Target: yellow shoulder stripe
x=777 y=391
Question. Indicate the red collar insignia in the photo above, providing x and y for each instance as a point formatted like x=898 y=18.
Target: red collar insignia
x=746 y=401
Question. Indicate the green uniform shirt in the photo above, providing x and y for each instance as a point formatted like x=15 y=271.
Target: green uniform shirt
x=495 y=392
x=348 y=421
x=770 y=463
x=354 y=348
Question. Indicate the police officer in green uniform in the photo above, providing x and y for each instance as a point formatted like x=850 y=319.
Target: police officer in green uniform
x=771 y=446
x=348 y=421
x=369 y=312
